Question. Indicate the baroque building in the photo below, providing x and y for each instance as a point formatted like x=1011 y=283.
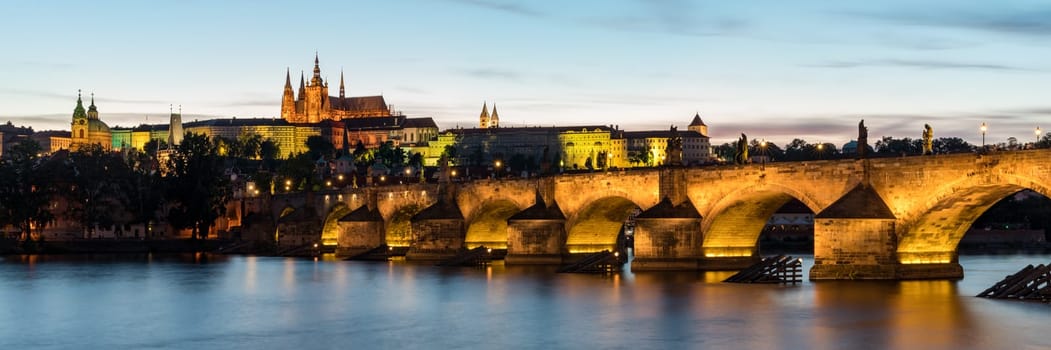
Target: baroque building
x=313 y=103
x=87 y=128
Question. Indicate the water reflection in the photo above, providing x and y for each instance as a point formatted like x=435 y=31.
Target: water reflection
x=263 y=302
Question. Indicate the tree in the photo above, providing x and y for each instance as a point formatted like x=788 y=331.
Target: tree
x=392 y=157
x=25 y=193
x=196 y=185
x=99 y=180
x=898 y=147
x=451 y=154
x=798 y=150
x=145 y=189
x=725 y=152
x=297 y=173
x=249 y=145
x=269 y=150
x=154 y=145
x=318 y=147
x=952 y=145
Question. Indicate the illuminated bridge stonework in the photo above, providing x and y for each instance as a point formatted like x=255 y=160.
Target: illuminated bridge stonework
x=886 y=218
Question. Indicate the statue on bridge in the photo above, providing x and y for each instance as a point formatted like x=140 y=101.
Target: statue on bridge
x=928 y=139
x=742 y=150
x=674 y=149
x=863 y=139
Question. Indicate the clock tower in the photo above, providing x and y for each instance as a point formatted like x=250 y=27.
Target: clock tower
x=79 y=126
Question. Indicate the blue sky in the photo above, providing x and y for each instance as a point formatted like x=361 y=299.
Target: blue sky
x=772 y=69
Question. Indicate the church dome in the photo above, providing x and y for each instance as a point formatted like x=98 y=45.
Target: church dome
x=95 y=125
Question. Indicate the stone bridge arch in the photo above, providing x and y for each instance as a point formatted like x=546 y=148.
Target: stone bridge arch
x=573 y=193
x=486 y=206
x=933 y=232
x=397 y=205
x=330 y=225
x=488 y=224
x=596 y=227
x=732 y=225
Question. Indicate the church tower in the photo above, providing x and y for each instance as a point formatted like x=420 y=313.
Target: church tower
x=494 y=120
x=698 y=125
x=175 y=131
x=288 y=100
x=93 y=112
x=483 y=120
x=79 y=126
x=316 y=104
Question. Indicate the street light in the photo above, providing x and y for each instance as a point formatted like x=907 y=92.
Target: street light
x=762 y=155
x=1037 y=132
x=497 y=164
x=984 y=129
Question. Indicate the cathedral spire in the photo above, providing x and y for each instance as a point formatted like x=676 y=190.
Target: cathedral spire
x=302 y=86
x=483 y=120
x=288 y=78
x=494 y=120
x=316 y=80
x=342 y=91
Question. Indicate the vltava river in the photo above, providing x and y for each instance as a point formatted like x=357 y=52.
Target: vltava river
x=219 y=302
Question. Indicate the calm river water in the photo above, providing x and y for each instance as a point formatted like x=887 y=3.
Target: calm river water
x=236 y=302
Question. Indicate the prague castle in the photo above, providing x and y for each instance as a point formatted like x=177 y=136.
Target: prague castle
x=313 y=103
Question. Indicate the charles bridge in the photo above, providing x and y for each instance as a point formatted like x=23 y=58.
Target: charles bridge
x=882 y=218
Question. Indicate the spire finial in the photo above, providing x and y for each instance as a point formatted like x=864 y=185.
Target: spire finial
x=171 y=109
x=93 y=98
x=180 y=109
x=78 y=94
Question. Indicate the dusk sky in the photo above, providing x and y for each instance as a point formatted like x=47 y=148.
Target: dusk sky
x=775 y=70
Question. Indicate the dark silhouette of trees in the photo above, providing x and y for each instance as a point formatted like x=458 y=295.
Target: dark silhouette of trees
x=197 y=187
x=99 y=183
x=25 y=192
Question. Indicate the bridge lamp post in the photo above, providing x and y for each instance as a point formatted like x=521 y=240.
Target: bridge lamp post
x=408 y=173
x=762 y=155
x=497 y=165
x=820 y=150
x=984 y=129
x=1037 y=132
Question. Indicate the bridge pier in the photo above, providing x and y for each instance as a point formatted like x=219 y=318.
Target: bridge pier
x=667 y=237
x=359 y=232
x=535 y=236
x=438 y=232
x=854 y=238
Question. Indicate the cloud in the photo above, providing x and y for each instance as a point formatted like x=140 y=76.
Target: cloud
x=251 y=103
x=1032 y=22
x=69 y=97
x=1031 y=110
x=492 y=73
x=513 y=8
x=33 y=93
x=919 y=64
